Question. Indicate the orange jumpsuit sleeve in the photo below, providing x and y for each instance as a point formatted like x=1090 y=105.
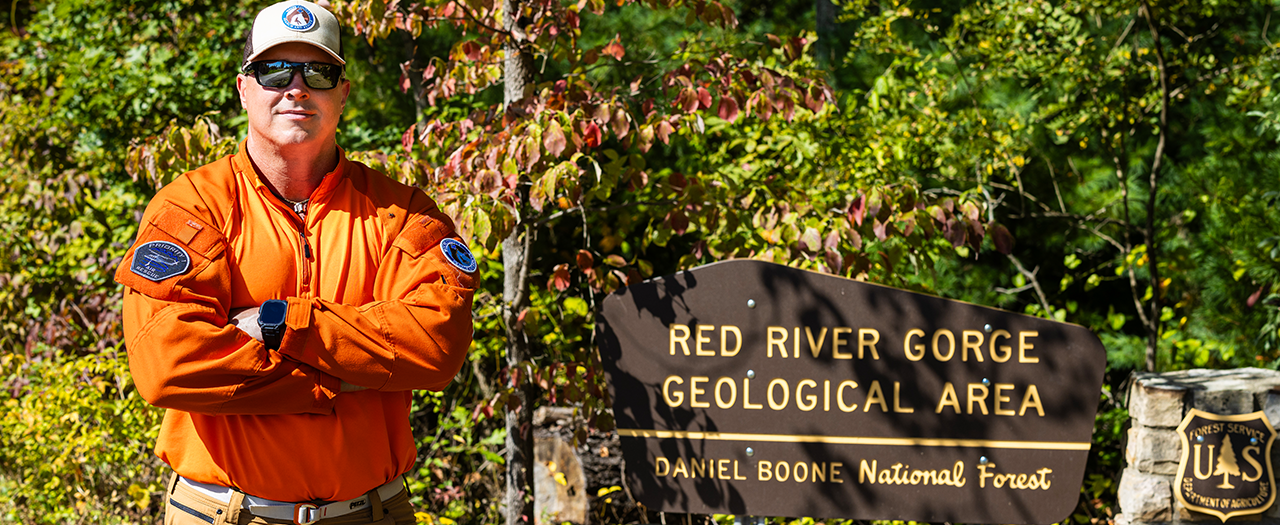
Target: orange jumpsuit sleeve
x=414 y=334
x=183 y=354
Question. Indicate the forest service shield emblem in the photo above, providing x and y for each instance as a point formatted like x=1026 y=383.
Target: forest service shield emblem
x=1226 y=464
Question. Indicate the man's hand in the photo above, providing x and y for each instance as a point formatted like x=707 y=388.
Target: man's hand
x=246 y=319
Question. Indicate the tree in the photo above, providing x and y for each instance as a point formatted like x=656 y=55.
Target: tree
x=1226 y=464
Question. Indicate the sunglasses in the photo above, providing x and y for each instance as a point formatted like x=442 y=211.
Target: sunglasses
x=279 y=73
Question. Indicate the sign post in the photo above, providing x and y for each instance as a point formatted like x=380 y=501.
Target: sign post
x=746 y=387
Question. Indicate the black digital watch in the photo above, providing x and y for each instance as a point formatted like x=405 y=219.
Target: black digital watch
x=271 y=317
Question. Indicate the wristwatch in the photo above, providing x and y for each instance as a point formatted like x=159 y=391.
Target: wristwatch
x=271 y=321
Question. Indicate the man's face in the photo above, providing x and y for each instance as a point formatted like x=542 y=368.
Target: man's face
x=294 y=114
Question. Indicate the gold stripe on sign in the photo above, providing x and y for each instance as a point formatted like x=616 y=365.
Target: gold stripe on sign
x=852 y=440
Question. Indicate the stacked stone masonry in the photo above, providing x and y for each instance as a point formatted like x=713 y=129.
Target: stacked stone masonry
x=1157 y=404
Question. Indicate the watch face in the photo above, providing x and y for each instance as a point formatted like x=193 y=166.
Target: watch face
x=272 y=312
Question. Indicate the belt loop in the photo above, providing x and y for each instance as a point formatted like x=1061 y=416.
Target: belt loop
x=234 y=507
x=173 y=483
x=376 y=501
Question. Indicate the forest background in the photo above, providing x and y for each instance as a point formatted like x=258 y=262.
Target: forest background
x=1111 y=164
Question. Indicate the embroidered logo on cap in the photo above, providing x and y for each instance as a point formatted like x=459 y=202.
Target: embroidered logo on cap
x=458 y=255
x=298 y=18
x=160 y=260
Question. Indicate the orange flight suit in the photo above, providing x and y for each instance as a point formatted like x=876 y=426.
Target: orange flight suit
x=373 y=300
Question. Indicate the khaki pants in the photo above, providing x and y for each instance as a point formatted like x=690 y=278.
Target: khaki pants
x=185 y=506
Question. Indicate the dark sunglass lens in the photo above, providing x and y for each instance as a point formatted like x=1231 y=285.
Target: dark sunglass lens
x=274 y=74
x=322 y=76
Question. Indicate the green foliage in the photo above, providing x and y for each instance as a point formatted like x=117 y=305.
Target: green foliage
x=75 y=441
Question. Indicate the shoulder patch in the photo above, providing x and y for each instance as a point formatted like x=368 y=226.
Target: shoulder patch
x=458 y=255
x=160 y=260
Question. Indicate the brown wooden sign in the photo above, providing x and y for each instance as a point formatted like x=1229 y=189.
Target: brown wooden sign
x=1225 y=468
x=750 y=388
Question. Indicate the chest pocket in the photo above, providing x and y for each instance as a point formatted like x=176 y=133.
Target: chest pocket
x=173 y=246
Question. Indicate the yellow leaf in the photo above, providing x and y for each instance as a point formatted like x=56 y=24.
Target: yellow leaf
x=560 y=478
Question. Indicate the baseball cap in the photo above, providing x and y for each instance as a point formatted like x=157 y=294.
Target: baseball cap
x=293 y=21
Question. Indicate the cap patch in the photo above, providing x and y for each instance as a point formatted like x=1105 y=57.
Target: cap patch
x=458 y=255
x=298 y=18
x=160 y=260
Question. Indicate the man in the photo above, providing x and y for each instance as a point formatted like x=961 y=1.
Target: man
x=283 y=302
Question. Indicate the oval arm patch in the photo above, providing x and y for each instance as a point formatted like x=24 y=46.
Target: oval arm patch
x=160 y=260
x=458 y=255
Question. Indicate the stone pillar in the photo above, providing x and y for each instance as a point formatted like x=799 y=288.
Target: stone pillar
x=1157 y=404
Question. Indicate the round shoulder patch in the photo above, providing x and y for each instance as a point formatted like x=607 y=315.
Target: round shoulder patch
x=160 y=260
x=298 y=18
x=458 y=255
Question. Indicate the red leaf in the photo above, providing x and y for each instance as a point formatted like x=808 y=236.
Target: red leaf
x=704 y=98
x=1004 y=240
x=664 y=132
x=858 y=209
x=954 y=232
x=728 y=109
x=615 y=261
x=1253 y=298
x=615 y=49
x=679 y=222
x=406 y=139
x=471 y=50
x=591 y=135
x=621 y=123
x=404 y=83
x=553 y=139
x=879 y=228
x=429 y=72
x=834 y=261
x=585 y=260
x=677 y=181
x=688 y=100
x=646 y=139
x=560 y=279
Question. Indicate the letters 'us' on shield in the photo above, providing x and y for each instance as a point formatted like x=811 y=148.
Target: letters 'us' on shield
x=1225 y=468
x=750 y=388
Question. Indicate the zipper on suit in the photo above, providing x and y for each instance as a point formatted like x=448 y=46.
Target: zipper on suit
x=304 y=288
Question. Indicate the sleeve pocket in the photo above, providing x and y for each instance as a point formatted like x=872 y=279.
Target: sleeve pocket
x=172 y=245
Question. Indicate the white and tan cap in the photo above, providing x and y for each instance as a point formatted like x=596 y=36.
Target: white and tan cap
x=293 y=21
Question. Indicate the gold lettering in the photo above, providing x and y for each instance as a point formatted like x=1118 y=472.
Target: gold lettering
x=948 y=398
x=733 y=393
x=1000 y=399
x=661 y=467
x=815 y=348
x=1005 y=351
x=982 y=399
x=666 y=391
x=680 y=467
x=810 y=401
x=777 y=337
x=724 y=345
x=702 y=339
x=1199 y=474
x=698 y=467
x=786 y=394
x=826 y=395
x=897 y=406
x=1252 y=460
x=907 y=345
x=971 y=340
x=795 y=472
x=838 y=342
x=1031 y=399
x=780 y=474
x=1023 y=346
x=735 y=472
x=694 y=392
x=682 y=338
x=764 y=470
x=867 y=339
x=795 y=344
x=819 y=472
x=746 y=396
x=875 y=395
x=866 y=471
x=840 y=396
x=721 y=467
x=835 y=472
x=951 y=342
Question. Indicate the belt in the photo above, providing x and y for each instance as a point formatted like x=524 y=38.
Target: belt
x=307 y=513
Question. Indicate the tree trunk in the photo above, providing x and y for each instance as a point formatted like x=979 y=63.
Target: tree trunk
x=517 y=72
x=1153 y=331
